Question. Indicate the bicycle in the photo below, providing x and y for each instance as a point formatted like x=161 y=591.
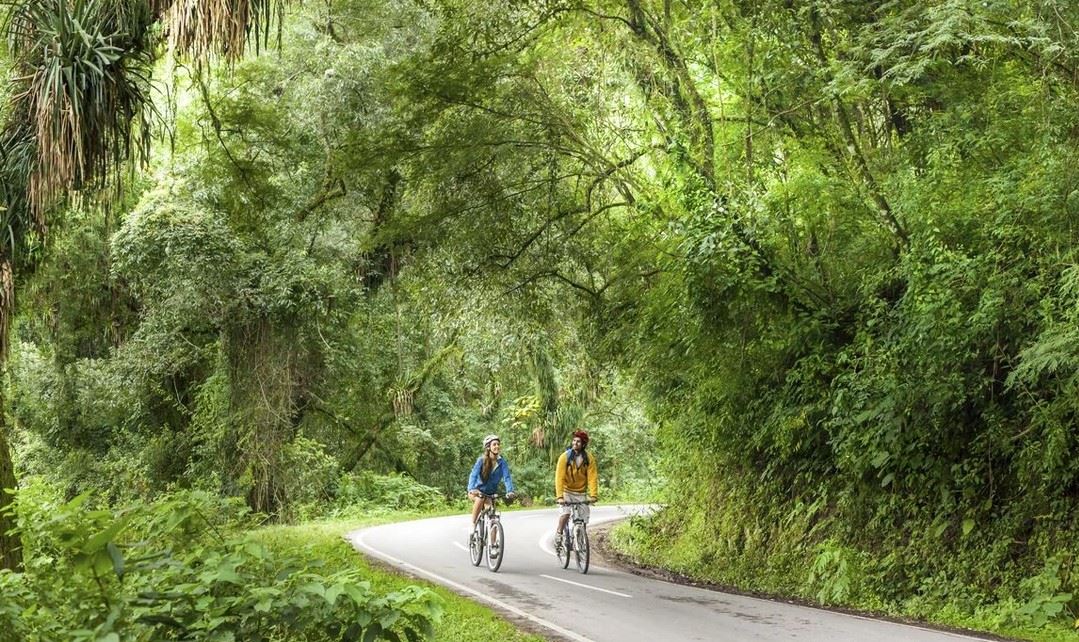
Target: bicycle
x=487 y=534
x=575 y=539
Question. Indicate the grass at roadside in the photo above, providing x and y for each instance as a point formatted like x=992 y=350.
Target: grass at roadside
x=462 y=620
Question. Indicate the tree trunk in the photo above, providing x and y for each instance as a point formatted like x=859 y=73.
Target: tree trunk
x=10 y=543
x=263 y=381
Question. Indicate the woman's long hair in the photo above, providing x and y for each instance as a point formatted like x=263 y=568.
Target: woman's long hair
x=489 y=461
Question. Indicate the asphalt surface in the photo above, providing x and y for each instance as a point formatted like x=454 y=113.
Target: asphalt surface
x=606 y=604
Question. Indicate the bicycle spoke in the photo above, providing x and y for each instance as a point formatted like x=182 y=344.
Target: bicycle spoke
x=563 y=548
x=582 y=551
x=496 y=547
x=475 y=544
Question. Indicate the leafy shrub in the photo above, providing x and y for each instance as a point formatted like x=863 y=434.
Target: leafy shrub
x=312 y=480
x=1046 y=595
x=835 y=572
x=372 y=492
x=179 y=569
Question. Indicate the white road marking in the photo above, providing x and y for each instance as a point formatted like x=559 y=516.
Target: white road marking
x=543 y=544
x=460 y=546
x=594 y=588
x=359 y=541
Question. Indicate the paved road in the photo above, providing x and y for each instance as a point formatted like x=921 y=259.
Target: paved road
x=606 y=604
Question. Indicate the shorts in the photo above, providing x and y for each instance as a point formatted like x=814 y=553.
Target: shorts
x=571 y=496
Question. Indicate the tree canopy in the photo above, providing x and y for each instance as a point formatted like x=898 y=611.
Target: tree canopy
x=810 y=265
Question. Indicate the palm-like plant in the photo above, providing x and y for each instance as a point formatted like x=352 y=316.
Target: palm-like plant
x=201 y=28
x=83 y=70
x=85 y=93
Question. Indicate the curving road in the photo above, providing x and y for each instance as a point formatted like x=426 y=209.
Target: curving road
x=606 y=604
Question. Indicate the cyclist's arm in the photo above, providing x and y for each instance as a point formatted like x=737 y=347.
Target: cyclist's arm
x=593 y=478
x=507 y=478
x=560 y=477
x=474 y=476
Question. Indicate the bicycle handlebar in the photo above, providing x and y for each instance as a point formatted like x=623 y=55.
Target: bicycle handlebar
x=506 y=496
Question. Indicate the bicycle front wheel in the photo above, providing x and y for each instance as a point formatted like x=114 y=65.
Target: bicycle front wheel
x=495 y=547
x=580 y=546
x=475 y=544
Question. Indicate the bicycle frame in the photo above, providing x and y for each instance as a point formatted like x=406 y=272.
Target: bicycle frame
x=575 y=538
x=487 y=536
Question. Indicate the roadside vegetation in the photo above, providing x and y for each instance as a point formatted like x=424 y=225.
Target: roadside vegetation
x=807 y=272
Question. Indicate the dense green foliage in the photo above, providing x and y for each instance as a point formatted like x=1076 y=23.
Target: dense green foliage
x=180 y=569
x=461 y=619
x=818 y=258
x=258 y=305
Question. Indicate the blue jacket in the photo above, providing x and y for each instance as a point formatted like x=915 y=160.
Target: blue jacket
x=500 y=473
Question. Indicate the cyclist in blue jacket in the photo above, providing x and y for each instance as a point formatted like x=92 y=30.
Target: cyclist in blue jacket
x=490 y=470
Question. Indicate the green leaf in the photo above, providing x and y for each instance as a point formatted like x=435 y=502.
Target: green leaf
x=99 y=540
x=968 y=526
x=117 y=560
x=363 y=618
x=332 y=593
x=389 y=618
x=358 y=593
x=228 y=575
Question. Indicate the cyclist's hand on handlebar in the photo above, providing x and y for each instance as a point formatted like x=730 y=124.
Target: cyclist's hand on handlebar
x=511 y=496
x=560 y=500
x=593 y=500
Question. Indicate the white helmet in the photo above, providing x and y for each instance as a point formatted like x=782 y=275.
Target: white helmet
x=488 y=439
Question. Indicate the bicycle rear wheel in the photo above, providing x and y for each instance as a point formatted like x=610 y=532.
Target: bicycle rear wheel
x=495 y=547
x=580 y=546
x=562 y=550
x=475 y=543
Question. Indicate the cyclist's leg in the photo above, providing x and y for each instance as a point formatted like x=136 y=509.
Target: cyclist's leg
x=563 y=518
x=579 y=497
x=477 y=505
x=585 y=510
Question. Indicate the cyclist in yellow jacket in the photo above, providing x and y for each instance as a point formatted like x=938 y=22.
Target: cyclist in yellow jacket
x=575 y=474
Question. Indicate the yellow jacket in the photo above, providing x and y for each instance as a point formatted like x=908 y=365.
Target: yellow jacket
x=574 y=477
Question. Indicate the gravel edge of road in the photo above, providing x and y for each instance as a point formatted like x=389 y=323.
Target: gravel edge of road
x=603 y=551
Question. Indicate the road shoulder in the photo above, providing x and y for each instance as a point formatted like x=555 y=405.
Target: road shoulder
x=603 y=550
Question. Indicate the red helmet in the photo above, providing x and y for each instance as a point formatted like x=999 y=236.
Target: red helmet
x=583 y=436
